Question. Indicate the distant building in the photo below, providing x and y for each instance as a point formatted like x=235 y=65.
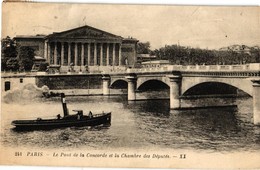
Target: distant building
x=35 y=42
x=83 y=46
x=155 y=63
x=145 y=57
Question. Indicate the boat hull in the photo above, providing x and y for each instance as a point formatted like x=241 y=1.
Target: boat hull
x=40 y=124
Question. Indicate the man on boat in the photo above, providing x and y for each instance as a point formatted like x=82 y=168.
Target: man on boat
x=80 y=114
x=58 y=116
x=90 y=114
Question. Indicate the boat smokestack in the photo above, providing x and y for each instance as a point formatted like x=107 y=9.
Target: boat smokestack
x=64 y=105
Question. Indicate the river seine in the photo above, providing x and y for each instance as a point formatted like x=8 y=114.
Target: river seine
x=140 y=124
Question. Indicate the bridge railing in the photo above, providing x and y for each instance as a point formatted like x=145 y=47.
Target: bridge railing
x=245 y=67
x=162 y=68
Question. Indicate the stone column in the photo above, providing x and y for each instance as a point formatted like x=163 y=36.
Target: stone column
x=108 y=54
x=69 y=53
x=82 y=54
x=114 y=54
x=62 y=53
x=101 y=54
x=95 y=54
x=49 y=53
x=55 y=53
x=106 y=84
x=76 y=55
x=175 y=90
x=131 y=96
x=89 y=54
x=256 y=101
x=46 y=50
x=120 y=55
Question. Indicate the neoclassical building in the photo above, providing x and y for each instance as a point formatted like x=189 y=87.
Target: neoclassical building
x=81 y=47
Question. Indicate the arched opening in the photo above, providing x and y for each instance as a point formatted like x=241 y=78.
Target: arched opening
x=214 y=89
x=153 y=85
x=212 y=95
x=119 y=87
x=154 y=89
x=119 y=84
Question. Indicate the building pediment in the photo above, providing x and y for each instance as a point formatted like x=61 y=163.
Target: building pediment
x=84 y=32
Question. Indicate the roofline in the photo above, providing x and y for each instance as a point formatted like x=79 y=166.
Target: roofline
x=30 y=37
x=57 y=33
x=130 y=39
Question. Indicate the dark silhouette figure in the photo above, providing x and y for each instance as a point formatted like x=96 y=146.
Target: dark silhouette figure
x=90 y=114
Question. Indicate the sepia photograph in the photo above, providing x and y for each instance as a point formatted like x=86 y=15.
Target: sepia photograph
x=130 y=85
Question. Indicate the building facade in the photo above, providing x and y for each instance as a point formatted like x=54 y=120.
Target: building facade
x=81 y=47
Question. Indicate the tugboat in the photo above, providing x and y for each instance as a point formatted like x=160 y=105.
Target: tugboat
x=75 y=120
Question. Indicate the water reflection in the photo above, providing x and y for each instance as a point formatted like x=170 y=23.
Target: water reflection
x=142 y=124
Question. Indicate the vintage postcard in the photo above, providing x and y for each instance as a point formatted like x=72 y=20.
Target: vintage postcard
x=130 y=86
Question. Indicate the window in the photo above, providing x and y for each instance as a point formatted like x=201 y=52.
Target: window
x=7 y=85
x=21 y=80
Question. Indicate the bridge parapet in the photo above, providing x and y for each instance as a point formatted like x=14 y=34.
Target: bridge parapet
x=246 y=68
x=196 y=68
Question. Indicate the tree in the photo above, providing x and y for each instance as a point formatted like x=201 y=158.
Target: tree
x=255 y=52
x=229 y=55
x=25 y=58
x=12 y=64
x=9 y=54
x=143 y=48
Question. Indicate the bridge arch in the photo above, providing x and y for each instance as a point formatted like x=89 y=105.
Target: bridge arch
x=243 y=84
x=119 y=84
x=211 y=88
x=153 y=84
x=141 y=80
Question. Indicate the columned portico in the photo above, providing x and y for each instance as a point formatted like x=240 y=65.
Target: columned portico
x=87 y=46
x=101 y=54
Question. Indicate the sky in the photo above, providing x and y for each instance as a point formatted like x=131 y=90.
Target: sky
x=195 y=26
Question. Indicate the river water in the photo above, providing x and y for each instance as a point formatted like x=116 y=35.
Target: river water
x=139 y=124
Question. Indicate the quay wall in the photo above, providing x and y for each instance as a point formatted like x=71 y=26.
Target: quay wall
x=54 y=82
x=59 y=82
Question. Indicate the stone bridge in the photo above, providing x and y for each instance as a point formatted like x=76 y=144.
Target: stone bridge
x=180 y=79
